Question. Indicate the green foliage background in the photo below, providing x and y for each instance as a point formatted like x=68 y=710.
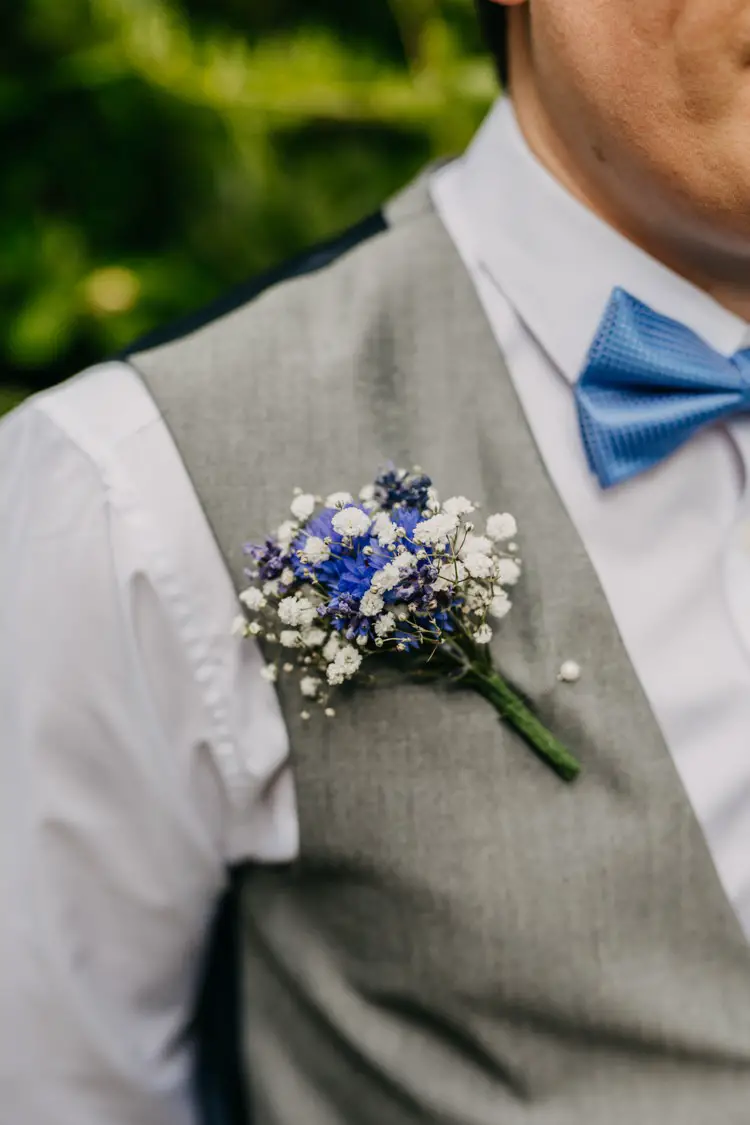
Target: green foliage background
x=156 y=152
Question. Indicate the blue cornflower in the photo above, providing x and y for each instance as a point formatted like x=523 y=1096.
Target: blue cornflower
x=395 y=488
x=268 y=558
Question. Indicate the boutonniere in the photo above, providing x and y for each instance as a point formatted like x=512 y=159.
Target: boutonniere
x=392 y=581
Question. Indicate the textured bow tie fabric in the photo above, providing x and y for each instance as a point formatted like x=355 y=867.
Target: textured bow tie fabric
x=650 y=384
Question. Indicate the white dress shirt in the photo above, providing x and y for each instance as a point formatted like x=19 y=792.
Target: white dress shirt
x=140 y=751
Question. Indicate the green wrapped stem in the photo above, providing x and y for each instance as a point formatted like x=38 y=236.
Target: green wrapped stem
x=513 y=710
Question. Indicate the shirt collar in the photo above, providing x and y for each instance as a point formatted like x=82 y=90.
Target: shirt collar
x=556 y=261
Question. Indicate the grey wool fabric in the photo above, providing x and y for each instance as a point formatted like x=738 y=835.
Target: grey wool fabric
x=465 y=939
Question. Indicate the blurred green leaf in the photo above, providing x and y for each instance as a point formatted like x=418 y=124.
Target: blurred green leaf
x=9 y=398
x=157 y=152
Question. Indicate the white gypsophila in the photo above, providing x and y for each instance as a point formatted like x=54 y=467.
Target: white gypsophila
x=339 y=500
x=476 y=597
x=451 y=574
x=314 y=638
x=435 y=530
x=404 y=561
x=269 y=673
x=386 y=579
x=271 y=588
x=286 y=578
x=500 y=606
x=508 y=572
x=286 y=533
x=348 y=660
x=303 y=506
x=458 y=506
x=401 y=611
x=239 y=626
x=362 y=640
x=483 y=635
x=307 y=614
x=310 y=686
x=367 y=494
x=254 y=629
x=385 y=529
x=385 y=625
x=392 y=574
x=253 y=598
x=474 y=544
x=371 y=604
x=288 y=610
x=331 y=647
x=289 y=638
x=479 y=565
x=296 y=610
x=316 y=550
x=433 y=500
x=351 y=523
x=501 y=526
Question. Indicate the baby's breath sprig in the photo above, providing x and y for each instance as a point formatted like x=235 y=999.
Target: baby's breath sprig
x=393 y=573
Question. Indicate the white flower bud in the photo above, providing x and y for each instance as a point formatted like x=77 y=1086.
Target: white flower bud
x=479 y=565
x=508 y=572
x=286 y=533
x=239 y=627
x=483 y=635
x=458 y=506
x=384 y=625
x=351 y=523
x=339 y=500
x=435 y=530
x=253 y=598
x=371 y=604
x=296 y=611
x=316 y=550
x=314 y=637
x=500 y=606
x=303 y=506
x=501 y=527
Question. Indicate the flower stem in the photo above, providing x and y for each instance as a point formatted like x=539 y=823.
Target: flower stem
x=513 y=710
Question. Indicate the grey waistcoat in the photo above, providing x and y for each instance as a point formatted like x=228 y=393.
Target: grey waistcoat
x=465 y=940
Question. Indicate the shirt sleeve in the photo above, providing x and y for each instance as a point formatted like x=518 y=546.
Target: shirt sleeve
x=114 y=813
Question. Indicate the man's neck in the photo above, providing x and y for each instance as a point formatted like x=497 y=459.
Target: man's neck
x=721 y=274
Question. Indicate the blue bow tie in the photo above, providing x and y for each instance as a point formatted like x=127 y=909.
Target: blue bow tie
x=648 y=386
